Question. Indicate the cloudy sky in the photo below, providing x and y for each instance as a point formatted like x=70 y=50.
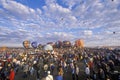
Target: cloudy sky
x=97 y=22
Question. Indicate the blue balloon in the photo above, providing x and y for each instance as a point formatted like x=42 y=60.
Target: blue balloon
x=34 y=44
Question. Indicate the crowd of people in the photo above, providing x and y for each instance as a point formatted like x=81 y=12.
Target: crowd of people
x=61 y=64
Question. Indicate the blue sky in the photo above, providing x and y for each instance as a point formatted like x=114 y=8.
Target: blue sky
x=44 y=21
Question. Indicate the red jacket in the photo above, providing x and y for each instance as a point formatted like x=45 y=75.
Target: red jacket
x=12 y=75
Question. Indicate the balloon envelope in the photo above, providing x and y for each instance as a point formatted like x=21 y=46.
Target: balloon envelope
x=40 y=46
x=66 y=44
x=3 y=48
x=79 y=43
x=26 y=44
x=48 y=47
x=34 y=44
x=58 y=44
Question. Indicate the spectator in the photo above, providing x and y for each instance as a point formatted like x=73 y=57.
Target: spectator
x=12 y=74
x=87 y=71
x=59 y=77
x=77 y=72
x=49 y=77
x=101 y=74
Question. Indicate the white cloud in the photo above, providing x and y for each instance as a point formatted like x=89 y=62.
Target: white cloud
x=59 y=14
x=87 y=32
x=15 y=7
x=18 y=9
x=60 y=36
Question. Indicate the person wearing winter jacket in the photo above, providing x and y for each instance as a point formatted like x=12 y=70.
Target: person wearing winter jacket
x=12 y=74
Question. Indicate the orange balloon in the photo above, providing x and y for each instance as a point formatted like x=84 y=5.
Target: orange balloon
x=79 y=43
x=3 y=48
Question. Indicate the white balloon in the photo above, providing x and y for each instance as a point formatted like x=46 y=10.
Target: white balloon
x=48 y=47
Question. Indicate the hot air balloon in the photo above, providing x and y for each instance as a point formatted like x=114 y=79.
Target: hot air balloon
x=34 y=44
x=40 y=46
x=26 y=44
x=51 y=43
x=79 y=43
x=58 y=44
x=48 y=47
x=3 y=48
x=66 y=44
x=113 y=32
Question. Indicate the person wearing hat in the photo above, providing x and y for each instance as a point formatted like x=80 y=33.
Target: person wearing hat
x=49 y=76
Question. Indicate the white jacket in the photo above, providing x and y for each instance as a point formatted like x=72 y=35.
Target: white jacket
x=49 y=77
x=87 y=70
